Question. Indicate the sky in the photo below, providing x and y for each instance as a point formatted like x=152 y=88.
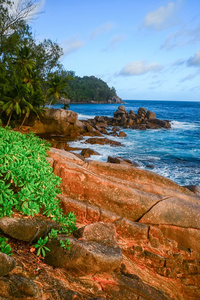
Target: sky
x=147 y=49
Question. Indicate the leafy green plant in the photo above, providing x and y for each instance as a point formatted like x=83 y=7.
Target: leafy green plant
x=53 y=234
x=4 y=246
x=27 y=181
x=40 y=245
x=65 y=244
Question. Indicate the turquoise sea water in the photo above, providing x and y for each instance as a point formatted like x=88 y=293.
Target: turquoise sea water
x=174 y=153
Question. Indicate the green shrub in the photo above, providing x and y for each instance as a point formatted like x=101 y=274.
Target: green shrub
x=27 y=181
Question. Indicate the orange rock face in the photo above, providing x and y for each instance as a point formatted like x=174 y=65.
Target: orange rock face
x=156 y=220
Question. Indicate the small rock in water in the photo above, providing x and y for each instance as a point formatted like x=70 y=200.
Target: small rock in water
x=122 y=134
x=87 y=152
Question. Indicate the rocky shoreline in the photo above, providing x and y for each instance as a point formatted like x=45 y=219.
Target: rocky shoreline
x=137 y=238
x=59 y=126
x=113 y=100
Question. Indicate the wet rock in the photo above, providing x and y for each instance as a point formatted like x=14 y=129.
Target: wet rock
x=150 y=166
x=7 y=264
x=115 y=128
x=158 y=123
x=122 y=134
x=87 y=152
x=103 y=141
x=119 y=160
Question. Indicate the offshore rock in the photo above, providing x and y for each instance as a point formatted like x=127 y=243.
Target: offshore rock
x=103 y=141
x=142 y=120
x=87 y=152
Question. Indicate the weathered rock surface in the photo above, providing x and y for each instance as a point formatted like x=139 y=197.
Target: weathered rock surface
x=103 y=233
x=84 y=257
x=25 y=229
x=7 y=264
x=156 y=221
x=138 y=237
x=60 y=122
x=19 y=287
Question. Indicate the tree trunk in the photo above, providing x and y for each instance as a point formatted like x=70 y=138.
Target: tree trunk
x=50 y=103
x=9 y=118
x=23 y=120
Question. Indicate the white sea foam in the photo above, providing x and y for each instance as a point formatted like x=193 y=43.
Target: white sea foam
x=84 y=117
x=183 y=125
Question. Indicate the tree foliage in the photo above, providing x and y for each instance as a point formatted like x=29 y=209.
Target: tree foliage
x=26 y=67
x=89 y=88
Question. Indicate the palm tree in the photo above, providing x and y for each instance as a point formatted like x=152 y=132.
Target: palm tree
x=25 y=62
x=56 y=88
x=16 y=100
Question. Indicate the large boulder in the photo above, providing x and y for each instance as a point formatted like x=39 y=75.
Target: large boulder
x=56 y=121
x=96 y=250
x=26 y=229
x=142 y=112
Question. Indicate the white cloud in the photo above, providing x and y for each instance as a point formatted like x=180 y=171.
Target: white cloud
x=182 y=38
x=139 y=68
x=195 y=60
x=116 y=40
x=161 y=17
x=72 y=45
x=189 y=77
x=101 y=29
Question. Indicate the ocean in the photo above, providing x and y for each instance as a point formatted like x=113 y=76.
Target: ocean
x=173 y=153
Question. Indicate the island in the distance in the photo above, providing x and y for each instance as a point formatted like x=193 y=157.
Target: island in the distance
x=89 y=89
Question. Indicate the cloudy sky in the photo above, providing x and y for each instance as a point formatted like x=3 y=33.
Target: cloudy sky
x=147 y=49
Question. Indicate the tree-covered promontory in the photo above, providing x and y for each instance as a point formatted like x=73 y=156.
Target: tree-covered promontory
x=88 y=89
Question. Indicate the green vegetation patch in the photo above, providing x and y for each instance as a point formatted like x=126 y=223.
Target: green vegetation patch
x=27 y=182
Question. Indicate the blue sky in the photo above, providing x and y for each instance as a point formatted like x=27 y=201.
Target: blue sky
x=147 y=49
